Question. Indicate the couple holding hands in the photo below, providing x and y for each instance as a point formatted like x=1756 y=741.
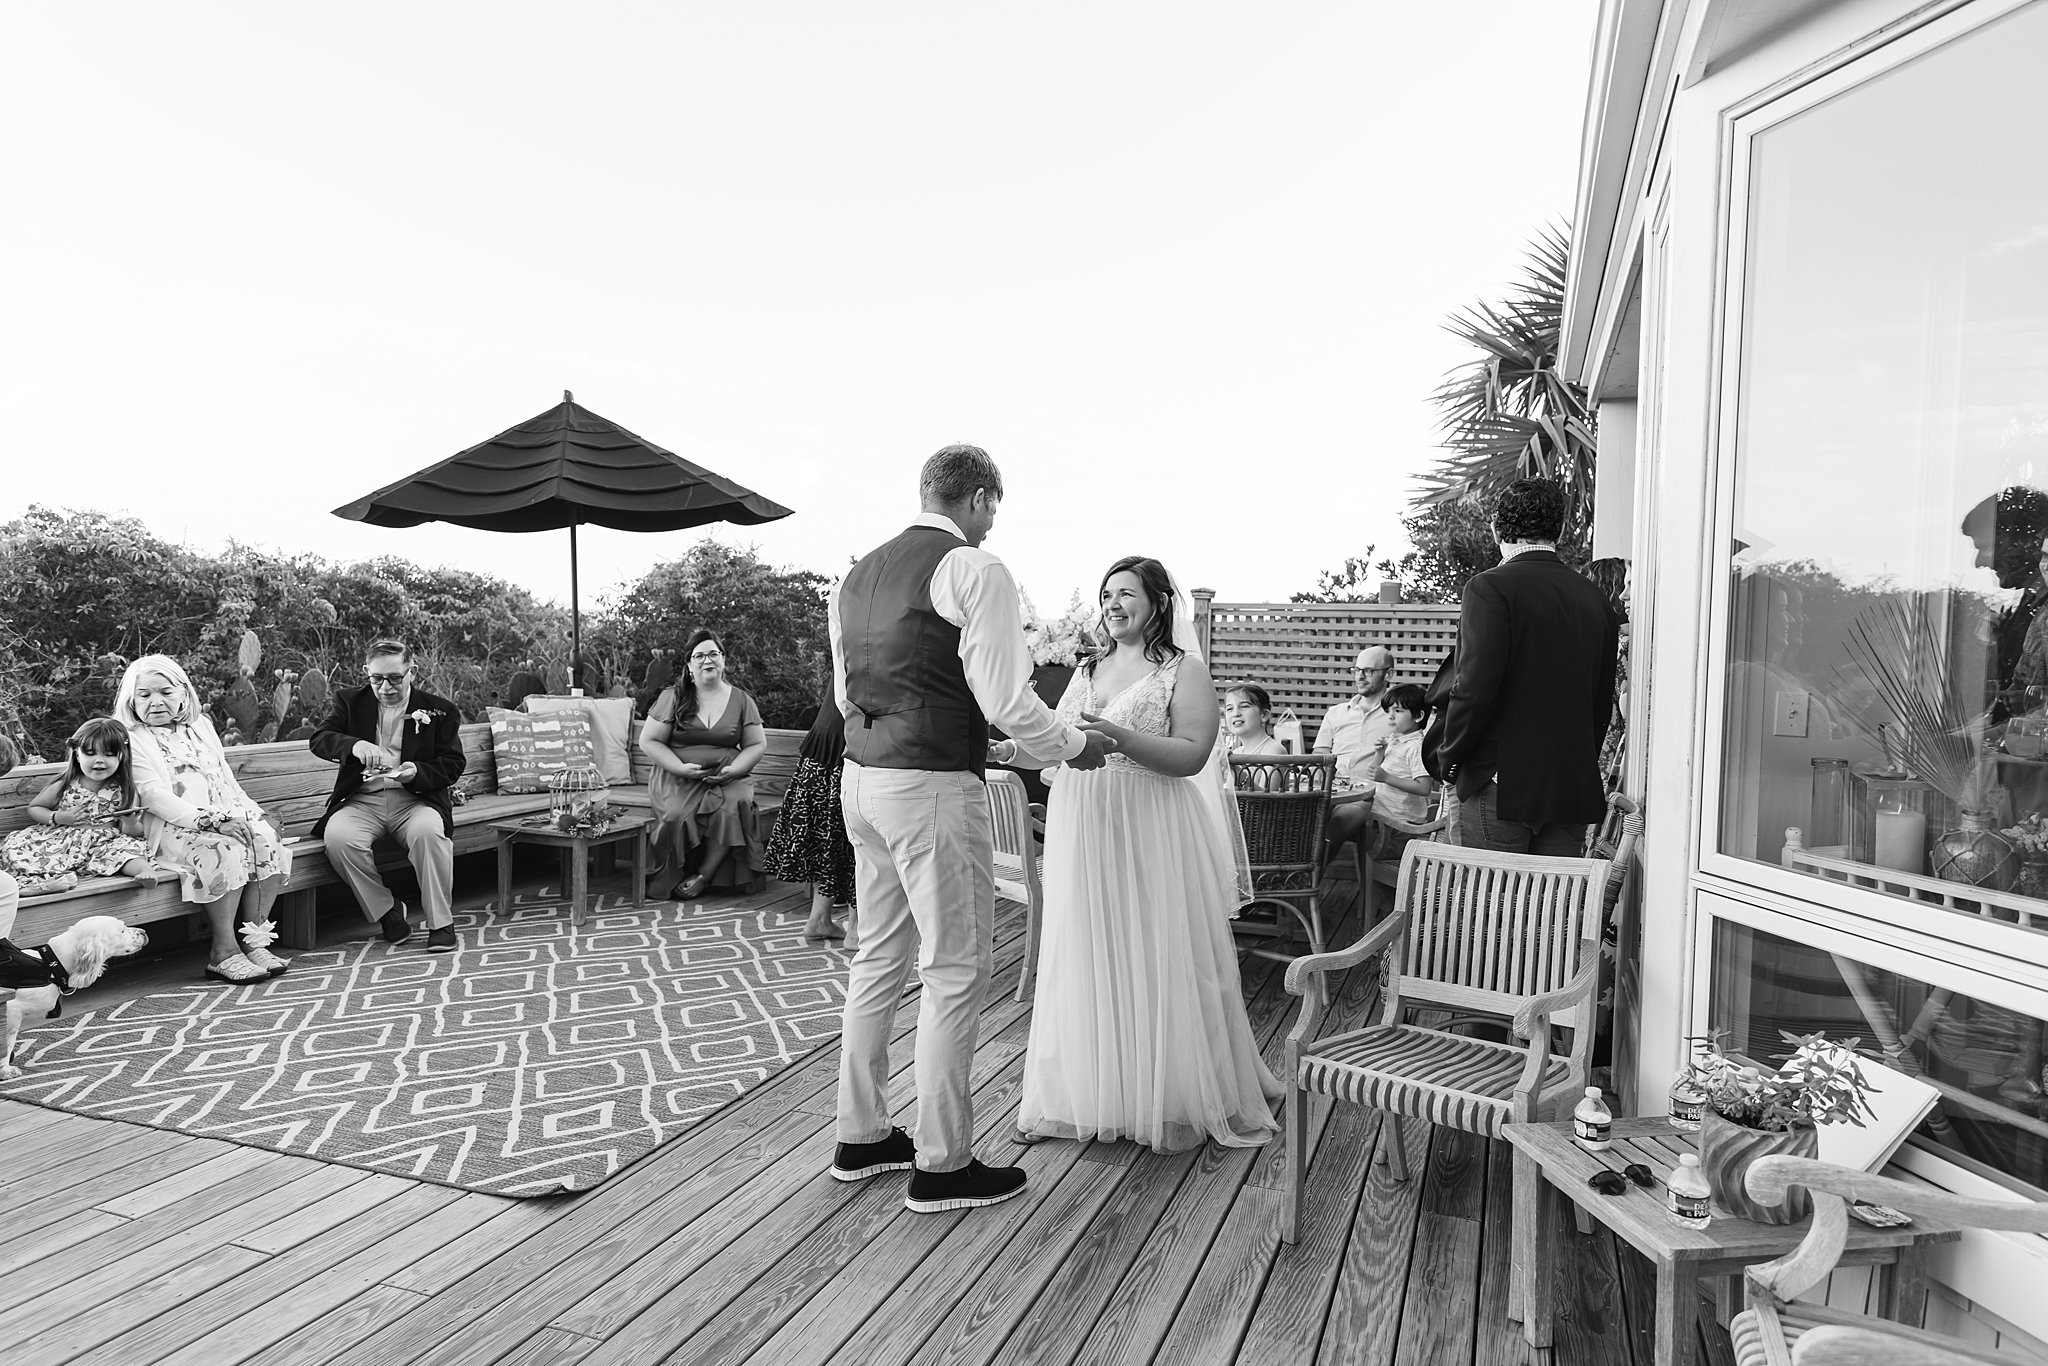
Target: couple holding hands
x=1139 y=1028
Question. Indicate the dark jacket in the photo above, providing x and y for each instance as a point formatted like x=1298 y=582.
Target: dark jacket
x=1534 y=688
x=436 y=748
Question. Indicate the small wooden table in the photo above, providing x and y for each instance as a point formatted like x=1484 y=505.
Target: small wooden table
x=1683 y=1256
x=575 y=857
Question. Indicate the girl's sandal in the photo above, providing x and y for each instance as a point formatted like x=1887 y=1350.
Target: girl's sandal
x=237 y=971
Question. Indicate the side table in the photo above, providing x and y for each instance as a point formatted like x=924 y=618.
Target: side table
x=1683 y=1256
x=575 y=857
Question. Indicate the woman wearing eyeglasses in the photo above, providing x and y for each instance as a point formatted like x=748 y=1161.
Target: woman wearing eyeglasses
x=704 y=737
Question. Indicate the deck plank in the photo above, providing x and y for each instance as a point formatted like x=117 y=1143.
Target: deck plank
x=1287 y=1323
x=236 y=1320
x=1365 y=1313
x=1500 y=1339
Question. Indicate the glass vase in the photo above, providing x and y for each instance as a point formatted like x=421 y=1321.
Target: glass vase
x=1977 y=854
x=1827 y=822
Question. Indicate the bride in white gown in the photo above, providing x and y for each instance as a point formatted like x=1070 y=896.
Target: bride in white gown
x=1139 y=1028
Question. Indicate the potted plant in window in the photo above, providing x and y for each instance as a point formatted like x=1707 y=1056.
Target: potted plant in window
x=1751 y=1113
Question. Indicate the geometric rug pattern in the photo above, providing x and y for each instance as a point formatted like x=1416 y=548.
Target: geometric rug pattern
x=534 y=1060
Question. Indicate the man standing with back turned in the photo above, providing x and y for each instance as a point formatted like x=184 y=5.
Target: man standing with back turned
x=927 y=649
x=1534 y=687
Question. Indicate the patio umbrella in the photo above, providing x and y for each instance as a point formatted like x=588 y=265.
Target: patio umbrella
x=565 y=468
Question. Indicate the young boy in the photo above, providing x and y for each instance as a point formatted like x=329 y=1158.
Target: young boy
x=1404 y=786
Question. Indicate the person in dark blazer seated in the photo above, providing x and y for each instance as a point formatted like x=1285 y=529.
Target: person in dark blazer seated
x=400 y=751
x=1533 y=688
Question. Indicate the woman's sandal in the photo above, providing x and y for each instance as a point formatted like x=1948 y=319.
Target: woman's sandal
x=237 y=971
x=831 y=931
x=689 y=889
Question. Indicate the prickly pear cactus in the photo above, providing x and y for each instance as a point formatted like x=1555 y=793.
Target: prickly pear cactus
x=266 y=732
x=524 y=684
x=281 y=695
x=242 y=706
x=250 y=655
x=313 y=694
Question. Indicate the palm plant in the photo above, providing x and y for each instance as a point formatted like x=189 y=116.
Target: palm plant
x=1510 y=414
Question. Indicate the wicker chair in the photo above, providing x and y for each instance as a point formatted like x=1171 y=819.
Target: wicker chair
x=1774 y=1331
x=1284 y=801
x=1016 y=861
x=1511 y=937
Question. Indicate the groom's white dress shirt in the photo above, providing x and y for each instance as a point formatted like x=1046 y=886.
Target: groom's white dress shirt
x=974 y=591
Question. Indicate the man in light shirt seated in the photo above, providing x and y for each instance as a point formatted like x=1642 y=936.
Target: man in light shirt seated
x=1352 y=730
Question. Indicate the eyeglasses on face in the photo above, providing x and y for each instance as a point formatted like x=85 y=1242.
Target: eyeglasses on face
x=702 y=655
x=1614 y=1183
x=390 y=680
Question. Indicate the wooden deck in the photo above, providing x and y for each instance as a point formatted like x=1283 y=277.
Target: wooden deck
x=126 y=1245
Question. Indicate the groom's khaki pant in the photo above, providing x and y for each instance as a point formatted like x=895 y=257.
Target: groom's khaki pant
x=924 y=880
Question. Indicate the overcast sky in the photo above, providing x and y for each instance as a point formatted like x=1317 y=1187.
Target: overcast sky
x=1181 y=268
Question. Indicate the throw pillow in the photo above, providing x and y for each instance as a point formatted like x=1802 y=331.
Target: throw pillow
x=528 y=749
x=611 y=729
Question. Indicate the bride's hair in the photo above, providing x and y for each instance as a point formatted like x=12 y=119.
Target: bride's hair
x=1158 y=586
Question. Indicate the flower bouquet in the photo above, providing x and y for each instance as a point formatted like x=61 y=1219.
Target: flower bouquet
x=1065 y=640
x=1751 y=1113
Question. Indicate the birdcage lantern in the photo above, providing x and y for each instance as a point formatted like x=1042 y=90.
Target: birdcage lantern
x=579 y=800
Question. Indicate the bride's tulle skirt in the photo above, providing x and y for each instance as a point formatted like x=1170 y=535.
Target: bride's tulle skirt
x=1139 y=1028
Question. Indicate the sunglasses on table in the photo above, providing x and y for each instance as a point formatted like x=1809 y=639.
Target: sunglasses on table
x=1616 y=1183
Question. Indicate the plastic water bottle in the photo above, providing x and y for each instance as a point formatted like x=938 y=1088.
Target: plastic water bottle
x=1686 y=1103
x=1593 y=1123
x=1691 y=1200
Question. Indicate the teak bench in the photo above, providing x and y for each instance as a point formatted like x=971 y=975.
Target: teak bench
x=291 y=784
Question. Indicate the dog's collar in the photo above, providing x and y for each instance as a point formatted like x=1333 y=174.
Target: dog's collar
x=60 y=976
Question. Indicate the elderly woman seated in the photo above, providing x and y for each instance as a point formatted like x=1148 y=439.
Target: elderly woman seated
x=704 y=737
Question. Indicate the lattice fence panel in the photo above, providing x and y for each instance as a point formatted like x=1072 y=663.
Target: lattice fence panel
x=1301 y=653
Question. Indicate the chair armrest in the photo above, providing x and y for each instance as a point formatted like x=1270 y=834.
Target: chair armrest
x=1770 y=1176
x=1564 y=998
x=1373 y=941
x=1839 y=1345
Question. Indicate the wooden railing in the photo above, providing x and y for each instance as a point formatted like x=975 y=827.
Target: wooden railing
x=1302 y=652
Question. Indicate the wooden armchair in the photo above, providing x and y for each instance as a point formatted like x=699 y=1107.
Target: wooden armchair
x=1016 y=832
x=1775 y=1331
x=1510 y=938
x=1283 y=802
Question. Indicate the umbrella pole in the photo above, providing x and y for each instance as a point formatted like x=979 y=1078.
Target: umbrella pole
x=575 y=623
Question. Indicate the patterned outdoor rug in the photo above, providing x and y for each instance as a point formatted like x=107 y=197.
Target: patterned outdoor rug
x=531 y=1061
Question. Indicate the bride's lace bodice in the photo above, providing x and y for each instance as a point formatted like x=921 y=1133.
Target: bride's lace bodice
x=1146 y=706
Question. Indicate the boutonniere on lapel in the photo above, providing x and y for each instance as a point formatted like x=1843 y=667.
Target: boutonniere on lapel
x=422 y=718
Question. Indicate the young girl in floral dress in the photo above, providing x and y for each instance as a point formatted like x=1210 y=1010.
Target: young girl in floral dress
x=86 y=823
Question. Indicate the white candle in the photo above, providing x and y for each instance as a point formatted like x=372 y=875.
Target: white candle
x=1902 y=841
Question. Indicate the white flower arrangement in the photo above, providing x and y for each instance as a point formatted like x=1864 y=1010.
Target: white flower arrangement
x=422 y=718
x=1067 y=639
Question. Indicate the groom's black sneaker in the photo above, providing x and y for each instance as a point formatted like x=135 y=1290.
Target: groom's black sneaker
x=859 y=1161
x=441 y=940
x=396 y=929
x=971 y=1186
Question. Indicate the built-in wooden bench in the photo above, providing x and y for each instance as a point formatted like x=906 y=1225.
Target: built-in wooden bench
x=291 y=784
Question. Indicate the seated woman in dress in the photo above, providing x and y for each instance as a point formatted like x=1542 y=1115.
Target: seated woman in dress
x=704 y=737
x=197 y=817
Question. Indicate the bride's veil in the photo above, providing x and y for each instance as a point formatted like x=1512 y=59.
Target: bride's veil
x=1214 y=780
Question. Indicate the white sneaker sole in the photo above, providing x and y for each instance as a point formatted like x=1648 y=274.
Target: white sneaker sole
x=863 y=1173
x=961 y=1201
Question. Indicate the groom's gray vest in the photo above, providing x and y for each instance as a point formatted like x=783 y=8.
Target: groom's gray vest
x=903 y=668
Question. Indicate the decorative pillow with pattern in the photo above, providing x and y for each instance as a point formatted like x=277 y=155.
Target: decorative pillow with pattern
x=528 y=749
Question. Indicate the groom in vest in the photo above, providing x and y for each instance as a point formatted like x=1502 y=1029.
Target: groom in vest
x=927 y=649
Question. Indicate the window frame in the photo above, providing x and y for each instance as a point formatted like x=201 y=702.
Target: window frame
x=1943 y=936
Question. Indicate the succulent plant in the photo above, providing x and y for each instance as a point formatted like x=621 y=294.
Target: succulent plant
x=250 y=654
x=313 y=693
x=524 y=684
x=241 y=705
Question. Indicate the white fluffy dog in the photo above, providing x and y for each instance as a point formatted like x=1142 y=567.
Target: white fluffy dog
x=83 y=950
